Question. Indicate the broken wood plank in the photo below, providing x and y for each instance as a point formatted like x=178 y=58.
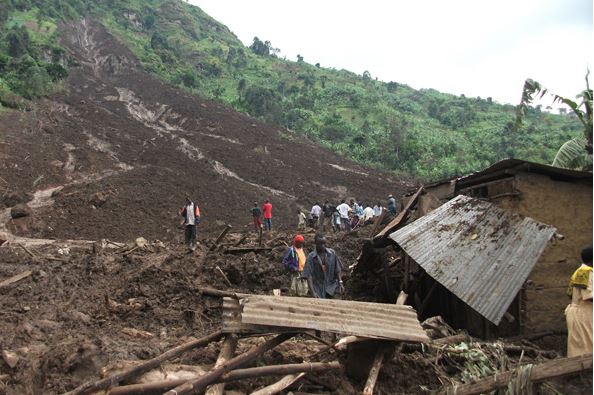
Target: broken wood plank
x=546 y=370
x=218 y=269
x=378 y=221
x=374 y=371
x=234 y=375
x=198 y=384
x=226 y=353
x=15 y=278
x=240 y=241
x=220 y=237
x=95 y=386
x=243 y=250
x=280 y=385
x=401 y=215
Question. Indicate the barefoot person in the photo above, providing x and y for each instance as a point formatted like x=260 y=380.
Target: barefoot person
x=191 y=214
x=323 y=270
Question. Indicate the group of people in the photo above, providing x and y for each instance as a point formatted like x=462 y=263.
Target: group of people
x=319 y=273
x=343 y=217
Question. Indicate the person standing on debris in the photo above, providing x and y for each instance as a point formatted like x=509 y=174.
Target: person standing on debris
x=579 y=311
x=300 y=220
x=392 y=205
x=377 y=209
x=344 y=210
x=267 y=210
x=336 y=220
x=323 y=270
x=294 y=260
x=368 y=215
x=316 y=212
x=257 y=214
x=327 y=210
x=191 y=214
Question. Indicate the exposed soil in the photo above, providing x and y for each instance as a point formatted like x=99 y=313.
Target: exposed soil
x=112 y=157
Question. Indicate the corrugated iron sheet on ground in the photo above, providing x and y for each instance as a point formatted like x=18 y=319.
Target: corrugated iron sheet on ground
x=481 y=253
x=377 y=320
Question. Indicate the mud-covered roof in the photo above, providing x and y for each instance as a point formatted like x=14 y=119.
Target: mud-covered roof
x=479 y=252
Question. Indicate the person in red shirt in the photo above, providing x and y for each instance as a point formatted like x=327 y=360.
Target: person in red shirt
x=267 y=210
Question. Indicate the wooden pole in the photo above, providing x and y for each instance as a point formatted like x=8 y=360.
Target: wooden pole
x=220 y=238
x=226 y=353
x=218 y=269
x=198 y=384
x=234 y=375
x=546 y=370
x=16 y=278
x=260 y=236
x=374 y=371
x=218 y=293
x=95 y=386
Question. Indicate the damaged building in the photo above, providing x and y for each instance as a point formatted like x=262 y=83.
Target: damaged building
x=490 y=252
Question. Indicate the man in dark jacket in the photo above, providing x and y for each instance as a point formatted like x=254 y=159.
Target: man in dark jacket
x=323 y=270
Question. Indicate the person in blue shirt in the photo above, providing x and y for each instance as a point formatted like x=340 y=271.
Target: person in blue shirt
x=323 y=270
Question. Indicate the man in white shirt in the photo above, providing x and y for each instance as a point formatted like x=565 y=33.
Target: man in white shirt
x=368 y=215
x=344 y=210
x=316 y=211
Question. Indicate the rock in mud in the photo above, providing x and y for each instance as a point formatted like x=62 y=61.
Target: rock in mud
x=11 y=358
x=16 y=197
x=20 y=211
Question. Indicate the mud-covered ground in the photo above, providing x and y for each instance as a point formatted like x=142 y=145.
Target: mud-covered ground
x=90 y=308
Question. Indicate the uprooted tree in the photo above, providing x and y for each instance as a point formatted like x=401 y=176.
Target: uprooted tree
x=577 y=152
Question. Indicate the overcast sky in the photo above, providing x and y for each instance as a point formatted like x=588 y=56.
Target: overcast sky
x=471 y=47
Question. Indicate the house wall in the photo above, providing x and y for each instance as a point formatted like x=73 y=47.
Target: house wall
x=568 y=207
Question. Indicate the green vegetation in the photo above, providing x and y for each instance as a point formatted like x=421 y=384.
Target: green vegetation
x=389 y=125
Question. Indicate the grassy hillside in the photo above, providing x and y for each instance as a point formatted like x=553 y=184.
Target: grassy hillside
x=423 y=133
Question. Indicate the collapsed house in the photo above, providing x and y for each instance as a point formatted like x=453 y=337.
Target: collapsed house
x=492 y=251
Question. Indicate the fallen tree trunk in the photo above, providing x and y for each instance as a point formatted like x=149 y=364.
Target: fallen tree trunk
x=234 y=375
x=546 y=370
x=198 y=384
x=94 y=386
x=226 y=353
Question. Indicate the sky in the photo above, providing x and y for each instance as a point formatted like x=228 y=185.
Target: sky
x=470 y=47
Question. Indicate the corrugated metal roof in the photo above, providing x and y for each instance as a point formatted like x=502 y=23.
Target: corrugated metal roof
x=377 y=320
x=479 y=252
x=232 y=319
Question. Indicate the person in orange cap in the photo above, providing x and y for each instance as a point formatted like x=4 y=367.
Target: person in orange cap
x=294 y=260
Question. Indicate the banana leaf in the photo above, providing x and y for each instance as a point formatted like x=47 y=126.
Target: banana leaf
x=573 y=155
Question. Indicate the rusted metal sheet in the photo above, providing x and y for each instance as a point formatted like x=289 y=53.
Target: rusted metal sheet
x=232 y=320
x=478 y=251
x=376 y=320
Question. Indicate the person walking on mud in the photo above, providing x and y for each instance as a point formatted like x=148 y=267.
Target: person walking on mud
x=257 y=215
x=191 y=214
x=294 y=260
x=267 y=210
x=323 y=270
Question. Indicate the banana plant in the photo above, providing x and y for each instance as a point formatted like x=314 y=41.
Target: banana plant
x=575 y=153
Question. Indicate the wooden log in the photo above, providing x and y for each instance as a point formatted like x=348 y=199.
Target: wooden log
x=260 y=236
x=280 y=385
x=16 y=278
x=454 y=339
x=374 y=371
x=220 y=237
x=243 y=250
x=196 y=385
x=240 y=241
x=226 y=353
x=218 y=293
x=234 y=375
x=95 y=386
x=546 y=370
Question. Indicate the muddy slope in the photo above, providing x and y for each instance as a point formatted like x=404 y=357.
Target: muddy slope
x=123 y=149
